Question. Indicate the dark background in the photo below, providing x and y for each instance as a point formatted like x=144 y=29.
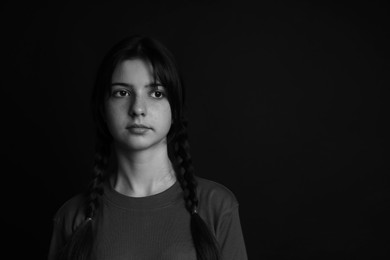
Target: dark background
x=285 y=100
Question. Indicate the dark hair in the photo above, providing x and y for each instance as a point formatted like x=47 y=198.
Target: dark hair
x=166 y=72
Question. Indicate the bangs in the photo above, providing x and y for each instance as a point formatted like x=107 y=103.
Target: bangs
x=163 y=66
x=165 y=76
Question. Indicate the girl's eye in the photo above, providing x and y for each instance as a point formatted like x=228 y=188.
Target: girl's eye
x=120 y=93
x=157 y=94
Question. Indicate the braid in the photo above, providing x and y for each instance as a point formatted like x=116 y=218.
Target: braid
x=96 y=186
x=205 y=243
x=185 y=173
x=79 y=246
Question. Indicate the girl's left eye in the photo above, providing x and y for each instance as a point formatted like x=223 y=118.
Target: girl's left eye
x=157 y=94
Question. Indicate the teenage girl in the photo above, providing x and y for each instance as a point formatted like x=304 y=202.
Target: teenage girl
x=144 y=201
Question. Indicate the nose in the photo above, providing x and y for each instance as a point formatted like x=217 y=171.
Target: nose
x=138 y=107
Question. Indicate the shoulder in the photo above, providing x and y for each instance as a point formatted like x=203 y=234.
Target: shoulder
x=71 y=214
x=215 y=196
x=67 y=218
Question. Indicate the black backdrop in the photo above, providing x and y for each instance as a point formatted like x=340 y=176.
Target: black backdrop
x=285 y=100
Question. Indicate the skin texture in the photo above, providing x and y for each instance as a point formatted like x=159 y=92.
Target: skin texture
x=137 y=102
x=135 y=98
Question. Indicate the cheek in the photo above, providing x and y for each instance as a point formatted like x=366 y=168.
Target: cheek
x=164 y=115
x=114 y=115
x=168 y=115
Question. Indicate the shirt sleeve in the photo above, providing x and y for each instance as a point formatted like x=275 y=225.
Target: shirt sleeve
x=68 y=217
x=230 y=237
x=57 y=240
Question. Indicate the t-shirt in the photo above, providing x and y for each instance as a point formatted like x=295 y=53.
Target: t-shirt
x=155 y=227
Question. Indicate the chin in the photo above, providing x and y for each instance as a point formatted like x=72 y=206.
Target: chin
x=142 y=144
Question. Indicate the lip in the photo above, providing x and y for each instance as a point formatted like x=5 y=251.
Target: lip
x=139 y=126
x=138 y=129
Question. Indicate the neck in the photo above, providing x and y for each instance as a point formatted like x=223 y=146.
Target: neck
x=143 y=173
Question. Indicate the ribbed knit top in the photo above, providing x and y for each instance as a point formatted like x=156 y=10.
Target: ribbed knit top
x=160 y=200
x=155 y=227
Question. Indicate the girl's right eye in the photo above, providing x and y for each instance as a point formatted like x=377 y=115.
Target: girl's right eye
x=120 y=93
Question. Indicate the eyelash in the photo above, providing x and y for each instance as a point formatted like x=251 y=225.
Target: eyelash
x=116 y=93
x=159 y=91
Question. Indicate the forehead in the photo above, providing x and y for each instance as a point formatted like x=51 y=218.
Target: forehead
x=133 y=71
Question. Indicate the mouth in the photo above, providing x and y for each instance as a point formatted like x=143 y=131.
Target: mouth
x=138 y=126
x=138 y=129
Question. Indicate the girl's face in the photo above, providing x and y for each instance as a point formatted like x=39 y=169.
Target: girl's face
x=137 y=111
